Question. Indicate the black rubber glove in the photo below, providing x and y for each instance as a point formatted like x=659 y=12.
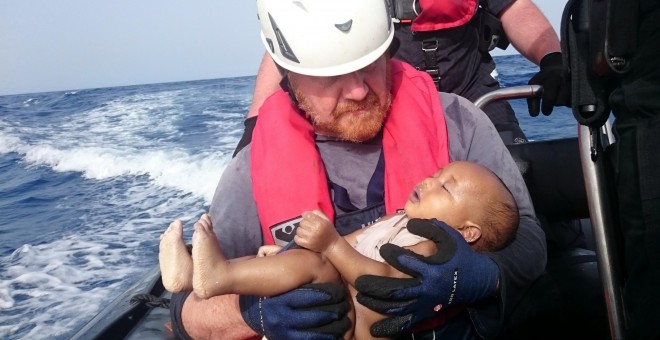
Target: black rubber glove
x=556 y=85
x=314 y=311
x=454 y=275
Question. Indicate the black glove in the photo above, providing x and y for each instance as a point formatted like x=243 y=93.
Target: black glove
x=556 y=85
x=454 y=275
x=314 y=311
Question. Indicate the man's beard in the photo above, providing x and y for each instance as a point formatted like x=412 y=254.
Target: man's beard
x=345 y=125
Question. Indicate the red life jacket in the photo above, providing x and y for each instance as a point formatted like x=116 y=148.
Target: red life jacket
x=439 y=14
x=288 y=175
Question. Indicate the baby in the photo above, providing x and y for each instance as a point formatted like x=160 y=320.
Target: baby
x=467 y=196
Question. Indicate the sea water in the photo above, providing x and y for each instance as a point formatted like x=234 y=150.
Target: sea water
x=90 y=178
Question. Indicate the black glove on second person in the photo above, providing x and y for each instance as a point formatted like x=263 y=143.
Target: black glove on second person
x=454 y=275
x=556 y=85
x=313 y=311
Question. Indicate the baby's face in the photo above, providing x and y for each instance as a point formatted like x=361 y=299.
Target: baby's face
x=450 y=195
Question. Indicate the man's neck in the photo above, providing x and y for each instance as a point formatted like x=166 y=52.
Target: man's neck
x=320 y=137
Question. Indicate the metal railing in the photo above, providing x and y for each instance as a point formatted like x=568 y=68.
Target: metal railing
x=598 y=200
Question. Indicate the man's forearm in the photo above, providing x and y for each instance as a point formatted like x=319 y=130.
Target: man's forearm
x=216 y=318
x=529 y=31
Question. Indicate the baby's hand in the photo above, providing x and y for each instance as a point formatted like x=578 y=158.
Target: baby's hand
x=268 y=250
x=315 y=232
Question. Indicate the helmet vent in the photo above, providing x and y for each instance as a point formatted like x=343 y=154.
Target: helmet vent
x=270 y=45
x=345 y=27
x=281 y=42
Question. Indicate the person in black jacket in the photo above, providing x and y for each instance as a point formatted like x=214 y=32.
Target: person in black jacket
x=635 y=104
x=456 y=55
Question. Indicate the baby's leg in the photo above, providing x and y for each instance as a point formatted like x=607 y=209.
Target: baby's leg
x=175 y=262
x=210 y=265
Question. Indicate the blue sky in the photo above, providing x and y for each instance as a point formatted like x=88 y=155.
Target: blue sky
x=48 y=45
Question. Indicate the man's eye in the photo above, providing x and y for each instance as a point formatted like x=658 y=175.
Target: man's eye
x=327 y=81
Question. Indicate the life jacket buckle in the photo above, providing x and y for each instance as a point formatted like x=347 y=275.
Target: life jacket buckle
x=430 y=46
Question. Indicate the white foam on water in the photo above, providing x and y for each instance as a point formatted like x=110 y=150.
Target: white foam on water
x=70 y=279
x=196 y=174
x=8 y=143
x=111 y=141
x=47 y=279
x=132 y=152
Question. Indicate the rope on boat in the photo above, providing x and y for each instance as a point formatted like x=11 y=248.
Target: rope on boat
x=151 y=300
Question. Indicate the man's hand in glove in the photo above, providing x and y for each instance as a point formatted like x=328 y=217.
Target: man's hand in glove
x=556 y=85
x=314 y=311
x=455 y=275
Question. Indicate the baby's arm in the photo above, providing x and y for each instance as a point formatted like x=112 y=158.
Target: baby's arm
x=318 y=234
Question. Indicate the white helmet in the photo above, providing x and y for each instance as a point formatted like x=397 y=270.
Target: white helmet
x=325 y=37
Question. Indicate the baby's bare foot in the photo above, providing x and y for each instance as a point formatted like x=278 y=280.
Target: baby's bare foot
x=208 y=261
x=175 y=262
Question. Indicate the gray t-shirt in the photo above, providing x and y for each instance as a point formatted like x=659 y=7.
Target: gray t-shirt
x=472 y=137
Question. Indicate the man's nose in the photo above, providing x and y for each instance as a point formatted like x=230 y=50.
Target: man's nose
x=354 y=86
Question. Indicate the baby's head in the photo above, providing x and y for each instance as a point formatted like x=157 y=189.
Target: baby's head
x=471 y=199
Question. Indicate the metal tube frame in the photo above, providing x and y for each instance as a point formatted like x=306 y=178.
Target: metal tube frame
x=591 y=143
x=602 y=223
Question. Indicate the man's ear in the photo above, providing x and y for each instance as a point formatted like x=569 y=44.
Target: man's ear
x=471 y=231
